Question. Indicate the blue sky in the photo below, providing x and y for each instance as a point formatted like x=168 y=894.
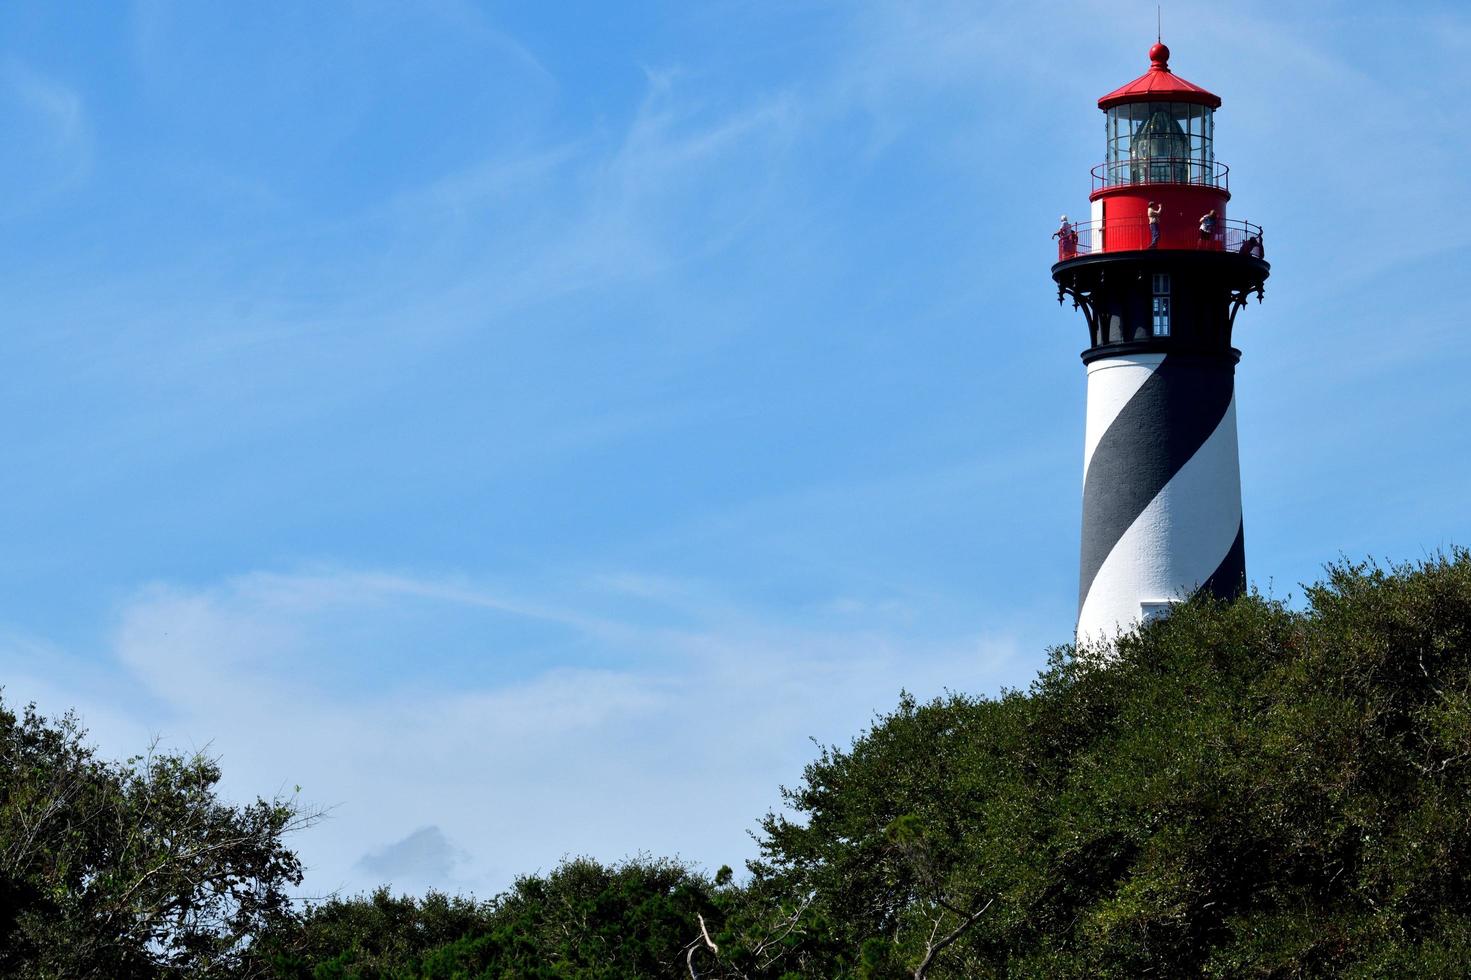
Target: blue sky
x=523 y=426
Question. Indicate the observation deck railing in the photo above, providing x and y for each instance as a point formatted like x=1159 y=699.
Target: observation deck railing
x=1166 y=170
x=1132 y=234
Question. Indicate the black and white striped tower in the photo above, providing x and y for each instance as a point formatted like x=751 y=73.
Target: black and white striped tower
x=1160 y=273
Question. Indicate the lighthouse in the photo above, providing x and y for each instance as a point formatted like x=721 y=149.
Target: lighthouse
x=1159 y=272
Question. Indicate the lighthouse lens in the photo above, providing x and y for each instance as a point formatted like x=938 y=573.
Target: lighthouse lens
x=1159 y=142
x=1161 y=148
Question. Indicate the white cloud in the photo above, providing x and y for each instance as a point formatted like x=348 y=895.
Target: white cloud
x=674 y=742
x=426 y=856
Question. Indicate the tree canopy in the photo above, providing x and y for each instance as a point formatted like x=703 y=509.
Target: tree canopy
x=1239 y=789
x=132 y=869
x=1243 y=790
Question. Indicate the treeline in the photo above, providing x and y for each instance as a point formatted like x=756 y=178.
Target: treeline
x=1243 y=790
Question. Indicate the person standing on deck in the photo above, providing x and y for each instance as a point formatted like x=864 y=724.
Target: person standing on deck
x=1208 y=226
x=1067 y=240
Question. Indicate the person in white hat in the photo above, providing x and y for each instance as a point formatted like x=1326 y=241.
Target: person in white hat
x=1067 y=239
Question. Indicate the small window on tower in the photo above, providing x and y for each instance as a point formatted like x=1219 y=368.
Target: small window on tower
x=1161 y=307
x=1150 y=611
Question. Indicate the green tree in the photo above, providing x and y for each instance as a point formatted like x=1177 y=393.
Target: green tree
x=130 y=870
x=1242 y=790
x=1239 y=790
x=584 y=919
x=378 y=935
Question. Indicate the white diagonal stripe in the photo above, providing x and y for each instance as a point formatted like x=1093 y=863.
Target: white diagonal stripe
x=1112 y=381
x=1175 y=543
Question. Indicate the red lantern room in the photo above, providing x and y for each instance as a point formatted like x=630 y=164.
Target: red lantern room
x=1159 y=152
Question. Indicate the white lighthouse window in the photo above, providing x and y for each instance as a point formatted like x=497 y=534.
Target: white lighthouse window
x=1150 y=611
x=1161 y=316
x=1160 y=310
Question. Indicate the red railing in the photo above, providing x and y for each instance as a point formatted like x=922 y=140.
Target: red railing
x=1169 y=170
x=1132 y=234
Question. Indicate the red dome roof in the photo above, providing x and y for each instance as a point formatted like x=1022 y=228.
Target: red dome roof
x=1159 y=84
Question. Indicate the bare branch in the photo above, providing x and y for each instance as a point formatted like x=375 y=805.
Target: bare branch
x=689 y=957
x=789 y=925
x=933 y=947
x=706 y=934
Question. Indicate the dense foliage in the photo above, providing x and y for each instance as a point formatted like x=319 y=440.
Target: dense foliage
x=1240 y=789
x=582 y=920
x=1243 y=791
x=133 y=869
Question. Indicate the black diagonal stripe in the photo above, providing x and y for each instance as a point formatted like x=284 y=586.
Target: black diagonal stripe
x=1157 y=431
x=1229 y=580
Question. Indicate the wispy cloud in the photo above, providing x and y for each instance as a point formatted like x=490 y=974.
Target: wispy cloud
x=48 y=137
x=721 y=388
x=674 y=740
